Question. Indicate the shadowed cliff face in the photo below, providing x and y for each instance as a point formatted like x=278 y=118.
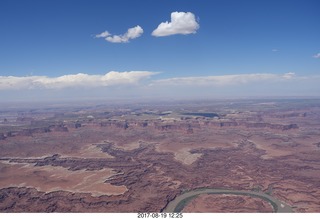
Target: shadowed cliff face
x=185 y=127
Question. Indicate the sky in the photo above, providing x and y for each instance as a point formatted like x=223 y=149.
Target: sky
x=91 y=49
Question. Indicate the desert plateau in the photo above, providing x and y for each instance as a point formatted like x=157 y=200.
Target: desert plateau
x=139 y=157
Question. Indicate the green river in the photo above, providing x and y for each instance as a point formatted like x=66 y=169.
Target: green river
x=180 y=201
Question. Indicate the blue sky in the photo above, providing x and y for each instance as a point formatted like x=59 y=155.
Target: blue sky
x=246 y=39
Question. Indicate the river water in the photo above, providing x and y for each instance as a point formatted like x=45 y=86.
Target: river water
x=180 y=201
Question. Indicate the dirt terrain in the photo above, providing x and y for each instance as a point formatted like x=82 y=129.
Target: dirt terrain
x=139 y=157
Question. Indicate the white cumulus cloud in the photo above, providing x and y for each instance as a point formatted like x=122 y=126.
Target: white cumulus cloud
x=317 y=56
x=73 y=80
x=141 y=84
x=132 y=33
x=181 y=23
x=103 y=34
x=224 y=80
x=289 y=75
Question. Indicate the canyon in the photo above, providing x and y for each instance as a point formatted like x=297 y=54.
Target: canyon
x=138 y=157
